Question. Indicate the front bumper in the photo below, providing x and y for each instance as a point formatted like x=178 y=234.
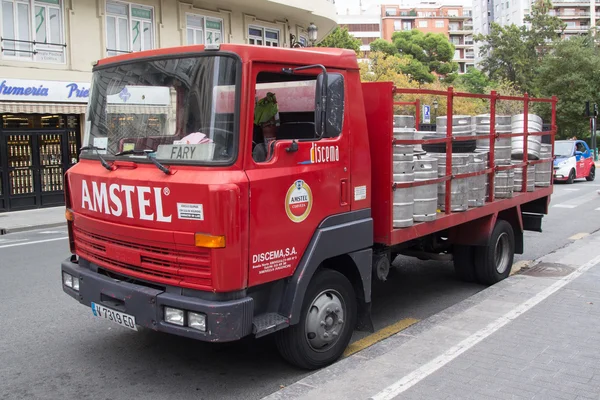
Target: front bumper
x=562 y=174
x=225 y=320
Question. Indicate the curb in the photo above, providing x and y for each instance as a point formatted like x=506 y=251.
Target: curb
x=4 y=231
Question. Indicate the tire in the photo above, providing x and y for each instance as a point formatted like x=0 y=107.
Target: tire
x=329 y=298
x=572 y=177
x=464 y=263
x=592 y=175
x=494 y=261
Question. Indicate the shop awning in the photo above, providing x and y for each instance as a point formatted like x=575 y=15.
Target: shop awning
x=139 y=109
x=41 y=108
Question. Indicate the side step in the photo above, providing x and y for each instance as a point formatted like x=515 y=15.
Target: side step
x=264 y=324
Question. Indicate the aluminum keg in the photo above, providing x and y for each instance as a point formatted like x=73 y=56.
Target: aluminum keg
x=425 y=197
x=504 y=184
x=519 y=177
x=459 y=193
x=485 y=179
x=420 y=135
x=404 y=121
x=476 y=183
x=502 y=146
x=533 y=142
x=404 y=152
x=403 y=199
x=543 y=171
x=462 y=125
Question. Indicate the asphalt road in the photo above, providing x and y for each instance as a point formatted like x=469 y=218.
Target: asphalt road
x=52 y=348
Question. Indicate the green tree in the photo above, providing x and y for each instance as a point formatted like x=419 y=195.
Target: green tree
x=382 y=45
x=514 y=53
x=342 y=39
x=572 y=72
x=433 y=50
x=474 y=81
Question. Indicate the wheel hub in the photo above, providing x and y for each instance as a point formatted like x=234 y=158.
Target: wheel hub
x=325 y=320
x=502 y=255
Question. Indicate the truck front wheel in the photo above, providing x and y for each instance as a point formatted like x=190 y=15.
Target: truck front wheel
x=326 y=323
x=494 y=261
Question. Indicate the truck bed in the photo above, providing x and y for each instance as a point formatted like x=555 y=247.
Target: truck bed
x=379 y=108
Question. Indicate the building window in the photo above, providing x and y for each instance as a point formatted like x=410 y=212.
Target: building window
x=407 y=25
x=263 y=36
x=423 y=24
x=203 y=30
x=390 y=12
x=397 y=25
x=439 y=23
x=453 y=13
x=27 y=21
x=129 y=27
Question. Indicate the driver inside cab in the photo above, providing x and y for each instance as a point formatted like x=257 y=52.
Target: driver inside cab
x=265 y=120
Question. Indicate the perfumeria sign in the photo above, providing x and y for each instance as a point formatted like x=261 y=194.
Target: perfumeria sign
x=77 y=92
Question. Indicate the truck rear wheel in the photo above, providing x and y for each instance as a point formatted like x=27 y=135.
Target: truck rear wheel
x=464 y=264
x=494 y=261
x=326 y=323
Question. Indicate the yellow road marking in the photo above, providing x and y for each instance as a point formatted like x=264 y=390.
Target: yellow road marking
x=518 y=266
x=379 y=336
x=579 y=236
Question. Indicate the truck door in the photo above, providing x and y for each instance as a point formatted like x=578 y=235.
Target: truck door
x=296 y=180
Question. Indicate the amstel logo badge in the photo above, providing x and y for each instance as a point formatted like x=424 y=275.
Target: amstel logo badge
x=298 y=201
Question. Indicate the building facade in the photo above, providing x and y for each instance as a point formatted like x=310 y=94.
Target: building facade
x=364 y=23
x=456 y=22
x=579 y=16
x=47 y=51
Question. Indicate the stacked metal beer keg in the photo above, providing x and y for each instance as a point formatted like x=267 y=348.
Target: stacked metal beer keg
x=543 y=171
x=425 y=196
x=534 y=143
x=403 y=170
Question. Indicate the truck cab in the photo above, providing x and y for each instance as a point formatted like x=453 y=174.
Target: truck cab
x=174 y=226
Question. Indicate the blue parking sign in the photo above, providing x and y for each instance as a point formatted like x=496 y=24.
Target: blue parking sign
x=426 y=114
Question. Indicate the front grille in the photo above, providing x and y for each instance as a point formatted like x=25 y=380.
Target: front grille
x=175 y=266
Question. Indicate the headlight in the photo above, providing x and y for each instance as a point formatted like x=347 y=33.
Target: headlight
x=67 y=280
x=76 y=283
x=197 y=321
x=174 y=316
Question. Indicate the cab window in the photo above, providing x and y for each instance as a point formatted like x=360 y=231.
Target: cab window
x=284 y=110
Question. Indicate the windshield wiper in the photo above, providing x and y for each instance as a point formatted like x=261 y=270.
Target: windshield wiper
x=164 y=169
x=102 y=160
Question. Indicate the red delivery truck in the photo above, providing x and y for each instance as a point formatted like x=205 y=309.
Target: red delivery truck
x=177 y=223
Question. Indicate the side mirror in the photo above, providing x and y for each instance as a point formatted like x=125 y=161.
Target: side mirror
x=329 y=105
x=578 y=153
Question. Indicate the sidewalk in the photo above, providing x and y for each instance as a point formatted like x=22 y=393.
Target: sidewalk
x=535 y=335
x=40 y=218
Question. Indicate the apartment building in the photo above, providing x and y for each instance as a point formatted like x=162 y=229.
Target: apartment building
x=579 y=16
x=363 y=22
x=456 y=22
x=46 y=54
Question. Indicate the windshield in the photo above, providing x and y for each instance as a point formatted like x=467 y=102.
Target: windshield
x=563 y=149
x=179 y=110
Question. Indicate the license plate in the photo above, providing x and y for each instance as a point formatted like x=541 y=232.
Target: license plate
x=126 y=320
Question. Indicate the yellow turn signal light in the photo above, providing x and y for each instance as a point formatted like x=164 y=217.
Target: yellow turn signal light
x=69 y=215
x=209 y=241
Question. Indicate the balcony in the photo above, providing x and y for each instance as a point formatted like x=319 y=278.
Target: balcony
x=321 y=12
x=460 y=31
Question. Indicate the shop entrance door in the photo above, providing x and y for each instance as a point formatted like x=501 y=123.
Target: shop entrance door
x=32 y=166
